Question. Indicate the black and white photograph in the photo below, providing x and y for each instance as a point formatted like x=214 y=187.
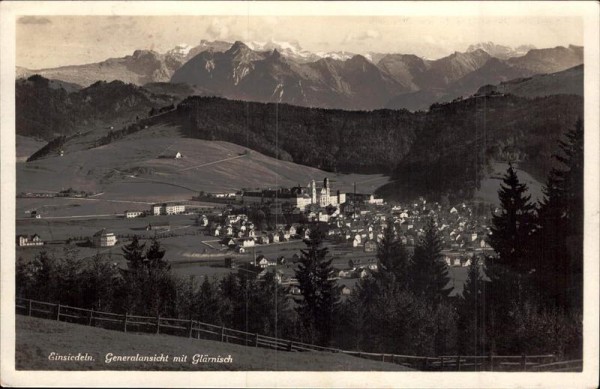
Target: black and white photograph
x=300 y=194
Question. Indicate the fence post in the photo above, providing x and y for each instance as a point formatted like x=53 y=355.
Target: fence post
x=91 y=317
x=58 y=312
x=491 y=361
x=289 y=346
x=222 y=333
x=191 y=328
x=256 y=340
x=125 y=322
x=426 y=363
x=158 y=324
x=29 y=308
x=382 y=357
x=458 y=363
x=523 y=362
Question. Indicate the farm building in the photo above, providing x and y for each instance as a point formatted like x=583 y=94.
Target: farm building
x=104 y=239
x=27 y=241
x=132 y=214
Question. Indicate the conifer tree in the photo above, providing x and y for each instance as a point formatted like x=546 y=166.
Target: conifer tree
x=155 y=255
x=512 y=228
x=471 y=313
x=559 y=239
x=319 y=293
x=134 y=253
x=429 y=272
x=392 y=258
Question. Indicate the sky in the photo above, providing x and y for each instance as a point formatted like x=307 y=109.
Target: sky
x=51 y=41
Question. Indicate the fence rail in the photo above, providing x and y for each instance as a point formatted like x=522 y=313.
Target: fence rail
x=199 y=330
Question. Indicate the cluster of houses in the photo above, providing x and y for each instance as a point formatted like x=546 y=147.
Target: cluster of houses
x=239 y=233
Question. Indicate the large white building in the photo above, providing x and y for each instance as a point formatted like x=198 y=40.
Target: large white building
x=104 y=239
x=297 y=197
x=167 y=209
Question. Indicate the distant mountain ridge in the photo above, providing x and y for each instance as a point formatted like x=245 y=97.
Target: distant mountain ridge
x=283 y=72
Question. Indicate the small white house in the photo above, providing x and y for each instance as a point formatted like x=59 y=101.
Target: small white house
x=133 y=214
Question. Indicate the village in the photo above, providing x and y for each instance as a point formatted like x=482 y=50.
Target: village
x=264 y=229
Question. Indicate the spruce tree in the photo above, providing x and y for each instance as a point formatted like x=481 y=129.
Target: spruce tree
x=428 y=270
x=471 y=313
x=392 y=260
x=509 y=270
x=134 y=253
x=154 y=257
x=511 y=229
x=319 y=293
x=559 y=265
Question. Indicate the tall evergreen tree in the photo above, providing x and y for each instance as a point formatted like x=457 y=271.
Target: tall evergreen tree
x=319 y=293
x=154 y=257
x=471 y=313
x=134 y=253
x=428 y=270
x=392 y=258
x=511 y=229
x=509 y=270
x=559 y=266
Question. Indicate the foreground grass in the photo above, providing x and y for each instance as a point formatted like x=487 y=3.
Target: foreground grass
x=37 y=338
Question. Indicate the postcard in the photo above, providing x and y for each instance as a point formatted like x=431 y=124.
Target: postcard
x=300 y=194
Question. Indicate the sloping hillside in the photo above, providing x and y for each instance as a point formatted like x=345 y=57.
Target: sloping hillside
x=37 y=338
x=567 y=82
x=139 y=166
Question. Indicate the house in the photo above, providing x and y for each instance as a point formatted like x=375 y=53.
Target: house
x=132 y=214
x=240 y=249
x=203 y=221
x=247 y=242
x=26 y=241
x=345 y=290
x=167 y=209
x=290 y=230
x=216 y=231
x=357 y=240
x=263 y=262
x=370 y=246
x=104 y=239
x=251 y=233
x=346 y=273
x=230 y=242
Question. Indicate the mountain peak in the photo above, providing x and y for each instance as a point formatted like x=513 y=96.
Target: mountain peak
x=239 y=45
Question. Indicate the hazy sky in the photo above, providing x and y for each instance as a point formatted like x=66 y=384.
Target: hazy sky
x=49 y=41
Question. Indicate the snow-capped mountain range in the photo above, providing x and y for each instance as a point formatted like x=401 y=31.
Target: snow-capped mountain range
x=285 y=72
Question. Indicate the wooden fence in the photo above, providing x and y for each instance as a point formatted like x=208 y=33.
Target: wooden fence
x=199 y=330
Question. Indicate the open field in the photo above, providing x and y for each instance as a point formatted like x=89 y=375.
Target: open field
x=37 y=338
x=488 y=191
x=138 y=168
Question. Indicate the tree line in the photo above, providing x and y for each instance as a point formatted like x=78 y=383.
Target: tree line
x=525 y=299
